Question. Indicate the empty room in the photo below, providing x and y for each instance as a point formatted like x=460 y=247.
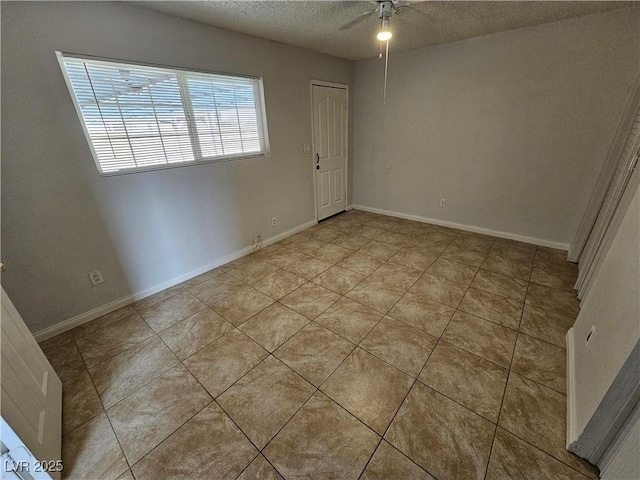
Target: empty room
x=376 y=239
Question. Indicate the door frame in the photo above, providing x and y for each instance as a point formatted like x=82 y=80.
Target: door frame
x=343 y=86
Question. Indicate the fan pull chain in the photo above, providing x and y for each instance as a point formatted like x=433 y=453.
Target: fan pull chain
x=386 y=65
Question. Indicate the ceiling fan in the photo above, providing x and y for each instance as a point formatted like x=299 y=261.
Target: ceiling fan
x=385 y=10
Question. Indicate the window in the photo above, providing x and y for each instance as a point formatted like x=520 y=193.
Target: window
x=138 y=117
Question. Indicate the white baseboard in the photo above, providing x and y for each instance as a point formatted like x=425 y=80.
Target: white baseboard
x=85 y=317
x=468 y=228
x=572 y=435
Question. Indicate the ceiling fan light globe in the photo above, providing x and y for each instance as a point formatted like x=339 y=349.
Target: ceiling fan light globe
x=384 y=35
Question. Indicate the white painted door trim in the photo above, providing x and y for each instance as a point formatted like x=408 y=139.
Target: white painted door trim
x=345 y=86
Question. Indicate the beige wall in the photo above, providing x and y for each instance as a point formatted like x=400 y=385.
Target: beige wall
x=612 y=307
x=60 y=219
x=512 y=128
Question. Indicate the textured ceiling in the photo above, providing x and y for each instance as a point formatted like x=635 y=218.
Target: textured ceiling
x=315 y=25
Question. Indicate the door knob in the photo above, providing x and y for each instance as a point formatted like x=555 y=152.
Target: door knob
x=3 y=267
x=317 y=161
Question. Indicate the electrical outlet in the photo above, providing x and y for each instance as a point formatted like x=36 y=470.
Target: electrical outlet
x=306 y=148
x=443 y=202
x=96 y=277
x=274 y=222
x=590 y=335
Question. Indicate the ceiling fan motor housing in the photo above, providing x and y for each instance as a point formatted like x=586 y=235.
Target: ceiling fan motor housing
x=385 y=10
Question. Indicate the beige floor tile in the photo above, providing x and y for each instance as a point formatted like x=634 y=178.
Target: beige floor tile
x=376 y=294
x=424 y=314
x=368 y=388
x=126 y=476
x=113 y=339
x=434 y=242
x=307 y=267
x=252 y=271
x=388 y=463
x=541 y=361
x=310 y=300
x=368 y=232
x=168 y=293
x=148 y=416
x=546 y=325
x=203 y=277
x=474 y=382
x=380 y=250
x=218 y=365
x=481 y=337
x=172 y=310
x=499 y=284
x=274 y=326
x=351 y=241
x=441 y=426
x=242 y=305
x=322 y=232
x=281 y=257
x=361 y=263
x=331 y=253
x=217 y=288
x=473 y=241
x=237 y=262
x=314 y=352
x=92 y=451
x=62 y=340
x=393 y=238
x=383 y=222
x=306 y=245
x=338 y=279
x=556 y=301
x=515 y=251
x=413 y=256
x=444 y=438
x=80 y=402
x=551 y=256
x=66 y=361
x=439 y=289
x=322 y=439
x=498 y=263
x=514 y=459
x=563 y=276
x=103 y=321
x=538 y=413
x=349 y=319
x=400 y=345
x=126 y=372
x=456 y=272
x=495 y=308
x=279 y=284
x=463 y=255
x=264 y=399
x=207 y=446
x=191 y=334
x=260 y=469
x=396 y=275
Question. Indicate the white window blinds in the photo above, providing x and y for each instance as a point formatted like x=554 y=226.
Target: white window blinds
x=141 y=118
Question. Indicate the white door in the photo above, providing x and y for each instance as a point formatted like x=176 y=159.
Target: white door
x=31 y=392
x=330 y=144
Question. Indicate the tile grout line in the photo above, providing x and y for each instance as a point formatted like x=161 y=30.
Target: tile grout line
x=504 y=392
x=349 y=231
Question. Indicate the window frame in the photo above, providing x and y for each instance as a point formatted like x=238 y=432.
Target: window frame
x=260 y=102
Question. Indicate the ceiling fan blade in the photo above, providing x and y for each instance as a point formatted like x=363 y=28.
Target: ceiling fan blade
x=405 y=7
x=357 y=20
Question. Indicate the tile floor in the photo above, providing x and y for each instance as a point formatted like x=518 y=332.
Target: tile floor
x=364 y=347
